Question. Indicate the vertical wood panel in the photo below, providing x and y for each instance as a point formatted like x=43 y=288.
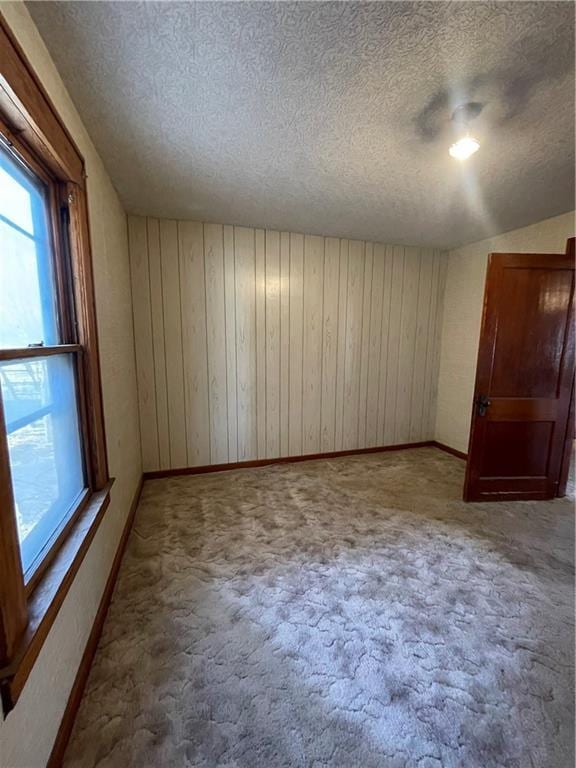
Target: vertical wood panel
x=374 y=345
x=272 y=325
x=436 y=336
x=393 y=356
x=231 y=341
x=284 y=341
x=432 y=342
x=365 y=340
x=353 y=343
x=216 y=338
x=158 y=344
x=423 y=304
x=341 y=344
x=407 y=342
x=173 y=343
x=256 y=344
x=329 y=344
x=312 y=356
x=244 y=249
x=385 y=416
x=260 y=277
x=194 y=350
x=296 y=330
x=143 y=341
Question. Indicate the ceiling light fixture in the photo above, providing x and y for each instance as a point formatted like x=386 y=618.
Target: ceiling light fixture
x=464 y=148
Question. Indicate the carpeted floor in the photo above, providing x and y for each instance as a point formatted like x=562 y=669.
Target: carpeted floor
x=350 y=613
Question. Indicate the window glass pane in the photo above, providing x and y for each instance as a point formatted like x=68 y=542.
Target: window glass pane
x=15 y=201
x=27 y=295
x=39 y=396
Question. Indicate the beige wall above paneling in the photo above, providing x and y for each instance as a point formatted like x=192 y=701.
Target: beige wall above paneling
x=256 y=344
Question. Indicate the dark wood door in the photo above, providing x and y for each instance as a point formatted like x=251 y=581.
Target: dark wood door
x=523 y=379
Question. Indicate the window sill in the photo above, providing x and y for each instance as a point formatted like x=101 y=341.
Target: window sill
x=47 y=597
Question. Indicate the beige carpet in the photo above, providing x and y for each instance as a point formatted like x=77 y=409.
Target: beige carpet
x=351 y=613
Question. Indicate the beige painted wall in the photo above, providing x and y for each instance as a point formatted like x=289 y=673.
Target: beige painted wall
x=256 y=344
x=26 y=737
x=463 y=299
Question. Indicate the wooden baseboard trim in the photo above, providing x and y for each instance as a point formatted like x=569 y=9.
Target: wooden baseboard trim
x=451 y=451
x=67 y=722
x=280 y=460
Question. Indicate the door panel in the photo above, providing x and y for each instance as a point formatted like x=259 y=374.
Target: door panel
x=516 y=448
x=532 y=314
x=524 y=376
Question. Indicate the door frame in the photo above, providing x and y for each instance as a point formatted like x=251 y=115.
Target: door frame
x=571 y=426
x=568 y=449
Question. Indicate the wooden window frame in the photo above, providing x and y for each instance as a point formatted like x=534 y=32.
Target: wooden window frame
x=31 y=127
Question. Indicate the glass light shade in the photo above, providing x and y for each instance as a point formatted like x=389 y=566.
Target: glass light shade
x=463 y=148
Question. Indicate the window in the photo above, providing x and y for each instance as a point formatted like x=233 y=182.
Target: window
x=39 y=393
x=54 y=484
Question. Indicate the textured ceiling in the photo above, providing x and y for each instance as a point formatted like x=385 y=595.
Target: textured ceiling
x=329 y=118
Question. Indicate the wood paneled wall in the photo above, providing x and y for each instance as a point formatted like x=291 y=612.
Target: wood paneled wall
x=255 y=344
